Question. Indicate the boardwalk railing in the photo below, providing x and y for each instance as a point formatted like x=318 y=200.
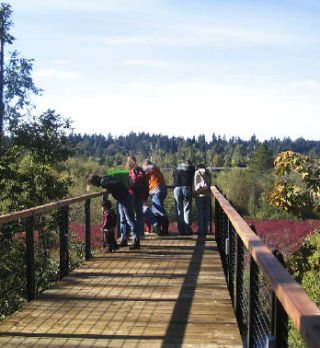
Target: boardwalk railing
x=32 y=220
x=264 y=294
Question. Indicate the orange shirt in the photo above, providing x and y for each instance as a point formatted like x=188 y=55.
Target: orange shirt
x=155 y=178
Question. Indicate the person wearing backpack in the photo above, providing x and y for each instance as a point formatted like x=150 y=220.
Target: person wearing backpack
x=202 y=183
x=183 y=182
x=138 y=187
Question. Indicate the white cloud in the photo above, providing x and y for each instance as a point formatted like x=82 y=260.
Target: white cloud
x=60 y=62
x=52 y=73
x=305 y=86
x=147 y=63
x=193 y=109
x=196 y=36
x=82 y=5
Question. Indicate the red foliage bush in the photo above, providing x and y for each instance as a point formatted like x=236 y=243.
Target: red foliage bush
x=284 y=235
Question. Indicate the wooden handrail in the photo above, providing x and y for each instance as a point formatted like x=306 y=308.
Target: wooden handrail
x=16 y=216
x=300 y=308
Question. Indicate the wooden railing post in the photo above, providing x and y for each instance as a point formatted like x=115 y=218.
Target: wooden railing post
x=253 y=299
x=88 y=229
x=63 y=218
x=30 y=271
x=279 y=317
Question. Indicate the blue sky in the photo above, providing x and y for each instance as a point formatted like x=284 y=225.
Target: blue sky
x=181 y=68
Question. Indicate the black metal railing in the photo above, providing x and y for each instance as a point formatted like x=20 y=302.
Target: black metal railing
x=45 y=237
x=263 y=293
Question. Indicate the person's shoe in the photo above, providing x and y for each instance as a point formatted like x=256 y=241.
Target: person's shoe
x=156 y=229
x=123 y=243
x=135 y=245
x=164 y=233
x=165 y=226
x=108 y=250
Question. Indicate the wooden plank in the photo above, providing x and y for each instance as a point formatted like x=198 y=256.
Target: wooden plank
x=301 y=309
x=170 y=293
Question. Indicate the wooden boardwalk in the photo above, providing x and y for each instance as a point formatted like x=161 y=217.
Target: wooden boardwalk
x=170 y=293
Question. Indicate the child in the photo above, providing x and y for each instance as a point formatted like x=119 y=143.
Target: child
x=150 y=219
x=109 y=222
x=125 y=206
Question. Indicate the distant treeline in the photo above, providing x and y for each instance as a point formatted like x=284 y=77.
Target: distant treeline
x=165 y=150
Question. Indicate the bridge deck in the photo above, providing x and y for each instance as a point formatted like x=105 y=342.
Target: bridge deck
x=170 y=293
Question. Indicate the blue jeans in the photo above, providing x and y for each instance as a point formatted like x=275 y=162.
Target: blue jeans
x=148 y=214
x=203 y=214
x=139 y=221
x=126 y=215
x=183 y=203
x=157 y=199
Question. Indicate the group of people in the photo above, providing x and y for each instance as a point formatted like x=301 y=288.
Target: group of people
x=132 y=186
x=189 y=182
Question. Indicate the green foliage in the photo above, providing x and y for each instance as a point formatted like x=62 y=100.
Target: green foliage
x=12 y=274
x=298 y=188
x=304 y=265
x=18 y=87
x=307 y=258
x=28 y=166
x=29 y=176
x=166 y=152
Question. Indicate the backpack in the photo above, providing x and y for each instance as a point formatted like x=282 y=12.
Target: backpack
x=202 y=181
x=139 y=183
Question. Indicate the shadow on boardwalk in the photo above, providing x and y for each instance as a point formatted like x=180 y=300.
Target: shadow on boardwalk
x=171 y=293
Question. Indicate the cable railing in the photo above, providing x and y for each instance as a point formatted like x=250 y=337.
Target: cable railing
x=265 y=297
x=267 y=301
x=46 y=244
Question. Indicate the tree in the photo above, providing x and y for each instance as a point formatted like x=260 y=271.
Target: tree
x=16 y=84
x=5 y=25
x=298 y=188
x=261 y=160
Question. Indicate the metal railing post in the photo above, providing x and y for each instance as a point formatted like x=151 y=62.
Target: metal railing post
x=88 y=228
x=253 y=299
x=30 y=271
x=279 y=317
x=210 y=217
x=239 y=283
x=231 y=262
x=224 y=242
x=64 y=240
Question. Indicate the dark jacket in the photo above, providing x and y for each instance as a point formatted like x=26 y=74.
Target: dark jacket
x=109 y=220
x=115 y=187
x=183 y=174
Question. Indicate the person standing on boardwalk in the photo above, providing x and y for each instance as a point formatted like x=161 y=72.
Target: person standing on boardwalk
x=202 y=183
x=183 y=182
x=138 y=188
x=109 y=223
x=125 y=203
x=158 y=193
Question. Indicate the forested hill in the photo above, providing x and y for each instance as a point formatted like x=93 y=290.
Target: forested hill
x=166 y=151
